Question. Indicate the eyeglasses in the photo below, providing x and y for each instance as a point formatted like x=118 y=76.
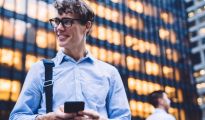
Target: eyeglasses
x=66 y=22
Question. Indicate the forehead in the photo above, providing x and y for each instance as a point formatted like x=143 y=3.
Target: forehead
x=68 y=15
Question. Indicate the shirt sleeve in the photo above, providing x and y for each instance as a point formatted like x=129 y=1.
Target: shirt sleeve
x=29 y=100
x=117 y=103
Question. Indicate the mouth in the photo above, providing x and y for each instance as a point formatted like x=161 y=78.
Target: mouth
x=62 y=37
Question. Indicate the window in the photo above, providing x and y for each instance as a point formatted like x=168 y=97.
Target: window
x=167 y=17
x=42 y=11
x=9 y=89
x=51 y=40
x=20 y=29
x=167 y=72
x=30 y=59
x=20 y=6
x=9 y=4
x=152 y=68
x=8 y=28
x=41 y=38
x=32 y=11
x=133 y=63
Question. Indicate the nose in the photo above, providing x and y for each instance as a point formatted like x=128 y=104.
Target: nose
x=60 y=27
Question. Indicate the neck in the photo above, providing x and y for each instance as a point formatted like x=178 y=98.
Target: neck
x=75 y=53
x=163 y=108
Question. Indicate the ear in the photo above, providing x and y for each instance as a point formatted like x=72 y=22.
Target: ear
x=88 y=26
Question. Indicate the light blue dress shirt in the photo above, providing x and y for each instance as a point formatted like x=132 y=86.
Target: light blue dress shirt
x=160 y=114
x=96 y=83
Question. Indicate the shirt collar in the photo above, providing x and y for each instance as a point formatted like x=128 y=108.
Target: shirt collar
x=62 y=57
x=159 y=110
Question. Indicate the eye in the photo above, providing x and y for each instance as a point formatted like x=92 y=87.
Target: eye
x=66 y=21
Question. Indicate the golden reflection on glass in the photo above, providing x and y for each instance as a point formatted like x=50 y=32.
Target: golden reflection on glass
x=167 y=17
x=177 y=74
x=30 y=59
x=15 y=90
x=182 y=114
x=20 y=29
x=152 y=68
x=143 y=87
x=17 y=60
x=5 y=86
x=8 y=28
x=100 y=11
x=6 y=56
x=141 y=45
x=117 y=58
x=175 y=112
x=103 y=54
x=101 y=32
x=20 y=6
x=109 y=35
x=135 y=6
x=9 y=5
x=131 y=84
x=165 y=34
x=110 y=56
x=134 y=22
x=41 y=38
x=95 y=51
x=138 y=108
x=172 y=55
x=1 y=25
x=32 y=11
x=133 y=63
x=42 y=11
x=168 y=72
x=107 y=13
x=94 y=31
x=180 y=95
x=117 y=37
x=51 y=40
x=9 y=89
x=52 y=12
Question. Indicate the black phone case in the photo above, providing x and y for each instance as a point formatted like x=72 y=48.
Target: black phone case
x=74 y=106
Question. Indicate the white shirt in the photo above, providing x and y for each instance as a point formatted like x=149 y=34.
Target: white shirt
x=160 y=114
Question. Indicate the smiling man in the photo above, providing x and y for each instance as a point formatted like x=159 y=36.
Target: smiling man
x=77 y=75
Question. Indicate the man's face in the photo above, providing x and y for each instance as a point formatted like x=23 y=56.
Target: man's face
x=70 y=36
x=166 y=100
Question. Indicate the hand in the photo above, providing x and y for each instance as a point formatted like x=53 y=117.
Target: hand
x=58 y=115
x=89 y=115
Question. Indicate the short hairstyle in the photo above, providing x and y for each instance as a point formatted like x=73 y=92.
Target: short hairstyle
x=77 y=7
x=154 y=96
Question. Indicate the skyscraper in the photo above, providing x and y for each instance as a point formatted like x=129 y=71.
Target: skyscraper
x=146 y=40
x=196 y=19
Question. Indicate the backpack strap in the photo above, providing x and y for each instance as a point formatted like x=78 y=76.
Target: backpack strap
x=48 y=83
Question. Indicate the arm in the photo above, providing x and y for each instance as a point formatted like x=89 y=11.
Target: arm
x=117 y=103
x=30 y=96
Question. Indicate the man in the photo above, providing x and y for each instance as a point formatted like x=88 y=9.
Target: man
x=161 y=103
x=77 y=76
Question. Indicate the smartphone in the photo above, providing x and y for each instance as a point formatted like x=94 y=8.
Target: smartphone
x=73 y=106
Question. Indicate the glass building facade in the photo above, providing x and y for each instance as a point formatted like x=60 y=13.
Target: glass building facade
x=145 y=39
x=196 y=20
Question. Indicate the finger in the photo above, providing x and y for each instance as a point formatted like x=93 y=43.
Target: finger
x=62 y=115
x=90 y=114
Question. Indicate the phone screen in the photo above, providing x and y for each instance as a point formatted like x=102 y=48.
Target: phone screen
x=73 y=106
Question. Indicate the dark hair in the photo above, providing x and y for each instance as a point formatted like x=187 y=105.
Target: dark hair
x=154 y=96
x=77 y=7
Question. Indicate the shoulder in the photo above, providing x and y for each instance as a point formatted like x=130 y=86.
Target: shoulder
x=105 y=66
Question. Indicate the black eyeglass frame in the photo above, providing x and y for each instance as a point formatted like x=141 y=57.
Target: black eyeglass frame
x=61 y=21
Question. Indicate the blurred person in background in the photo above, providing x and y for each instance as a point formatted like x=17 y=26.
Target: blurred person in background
x=77 y=75
x=161 y=103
